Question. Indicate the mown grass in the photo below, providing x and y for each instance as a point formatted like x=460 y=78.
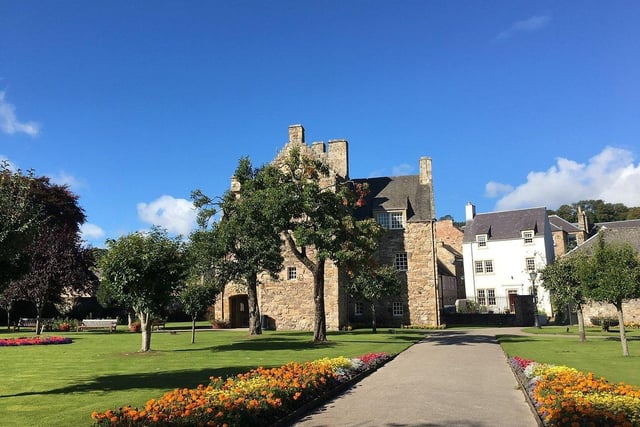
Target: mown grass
x=600 y=354
x=61 y=385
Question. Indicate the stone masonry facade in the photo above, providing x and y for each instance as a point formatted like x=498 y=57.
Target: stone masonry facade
x=287 y=303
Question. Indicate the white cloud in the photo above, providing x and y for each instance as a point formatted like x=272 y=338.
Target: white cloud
x=64 y=178
x=91 y=231
x=176 y=215
x=495 y=189
x=532 y=24
x=10 y=124
x=611 y=176
x=401 y=170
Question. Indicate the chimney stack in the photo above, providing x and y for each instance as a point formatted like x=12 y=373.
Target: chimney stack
x=470 y=211
x=296 y=133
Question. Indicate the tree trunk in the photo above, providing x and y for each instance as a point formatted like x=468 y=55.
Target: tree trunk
x=193 y=329
x=255 y=327
x=581 y=331
x=623 y=332
x=373 y=318
x=145 y=330
x=320 y=323
x=8 y=320
x=39 y=326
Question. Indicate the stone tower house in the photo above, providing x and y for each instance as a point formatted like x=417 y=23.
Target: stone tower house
x=404 y=205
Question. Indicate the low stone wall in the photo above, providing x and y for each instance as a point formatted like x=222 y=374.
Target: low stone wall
x=481 y=319
x=630 y=309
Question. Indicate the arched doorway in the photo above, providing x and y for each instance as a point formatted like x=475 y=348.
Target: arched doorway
x=239 y=311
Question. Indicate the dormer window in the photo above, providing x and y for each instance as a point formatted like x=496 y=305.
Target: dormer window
x=482 y=240
x=527 y=236
x=391 y=220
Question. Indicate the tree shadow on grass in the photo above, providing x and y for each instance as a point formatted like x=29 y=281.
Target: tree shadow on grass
x=147 y=380
x=266 y=343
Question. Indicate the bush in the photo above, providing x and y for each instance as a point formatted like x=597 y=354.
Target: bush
x=604 y=321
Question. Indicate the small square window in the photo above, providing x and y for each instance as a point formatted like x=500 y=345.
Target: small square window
x=482 y=240
x=398 y=309
x=531 y=264
x=292 y=273
x=401 y=261
x=488 y=266
x=397 y=220
x=358 y=309
x=383 y=219
x=528 y=237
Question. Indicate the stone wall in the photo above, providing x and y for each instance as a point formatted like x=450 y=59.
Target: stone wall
x=630 y=309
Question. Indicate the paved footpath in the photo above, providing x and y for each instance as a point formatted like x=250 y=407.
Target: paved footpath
x=451 y=378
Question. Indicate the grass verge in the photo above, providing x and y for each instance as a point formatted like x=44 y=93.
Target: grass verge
x=600 y=354
x=61 y=385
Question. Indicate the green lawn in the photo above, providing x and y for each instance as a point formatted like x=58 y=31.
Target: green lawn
x=61 y=385
x=600 y=354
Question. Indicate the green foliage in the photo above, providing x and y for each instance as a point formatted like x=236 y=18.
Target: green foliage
x=143 y=271
x=19 y=218
x=319 y=217
x=376 y=283
x=562 y=281
x=612 y=273
x=597 y=211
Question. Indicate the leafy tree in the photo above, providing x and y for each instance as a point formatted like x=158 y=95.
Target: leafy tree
x=144 y=270
x=248 y=232
x=320 y=224
x=195 y=298
x=562 y=280
x=373 y=284
x=612 y=275
x=19 y=218
x=633 y=213
x=596 y=211
x=59 y=264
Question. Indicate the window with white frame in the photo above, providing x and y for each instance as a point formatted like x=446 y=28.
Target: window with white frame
x=484 y=266
x=292 y=273
x=391 y=220
x=397 y=309
x=481 y=296
x=482 y=240
x=401 y=261
x=486 y=296
x=358 y=309
x=527 y=236
x=491 y=296
x=530 y=264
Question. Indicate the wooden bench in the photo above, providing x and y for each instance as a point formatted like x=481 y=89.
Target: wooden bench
x=158 y=324
x=91 y=324
x=31 y=322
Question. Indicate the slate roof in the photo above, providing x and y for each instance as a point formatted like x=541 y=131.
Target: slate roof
x=558 y=223
x=397 y=193
x=620 y=233
x=631 y=223
x=506 y=225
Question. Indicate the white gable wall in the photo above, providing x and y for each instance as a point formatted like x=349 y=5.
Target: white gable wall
x=509 y=268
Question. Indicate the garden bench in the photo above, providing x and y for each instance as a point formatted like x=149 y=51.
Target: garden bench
x=30 y=322
x=158 y=324
x=90 y=324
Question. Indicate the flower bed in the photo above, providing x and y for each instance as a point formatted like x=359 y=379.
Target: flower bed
x=7 y=342
x=564 y=396
x=259 y=397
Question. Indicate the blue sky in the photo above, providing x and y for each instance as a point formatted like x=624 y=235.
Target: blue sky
x=135 y=104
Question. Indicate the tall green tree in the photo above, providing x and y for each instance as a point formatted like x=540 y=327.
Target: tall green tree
x=562 y=280
x=248 y=231
x=19 y=218
x=373 y=284
x=320 y=224
x=144 y=270
x=59 y=265
x=612 y=275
